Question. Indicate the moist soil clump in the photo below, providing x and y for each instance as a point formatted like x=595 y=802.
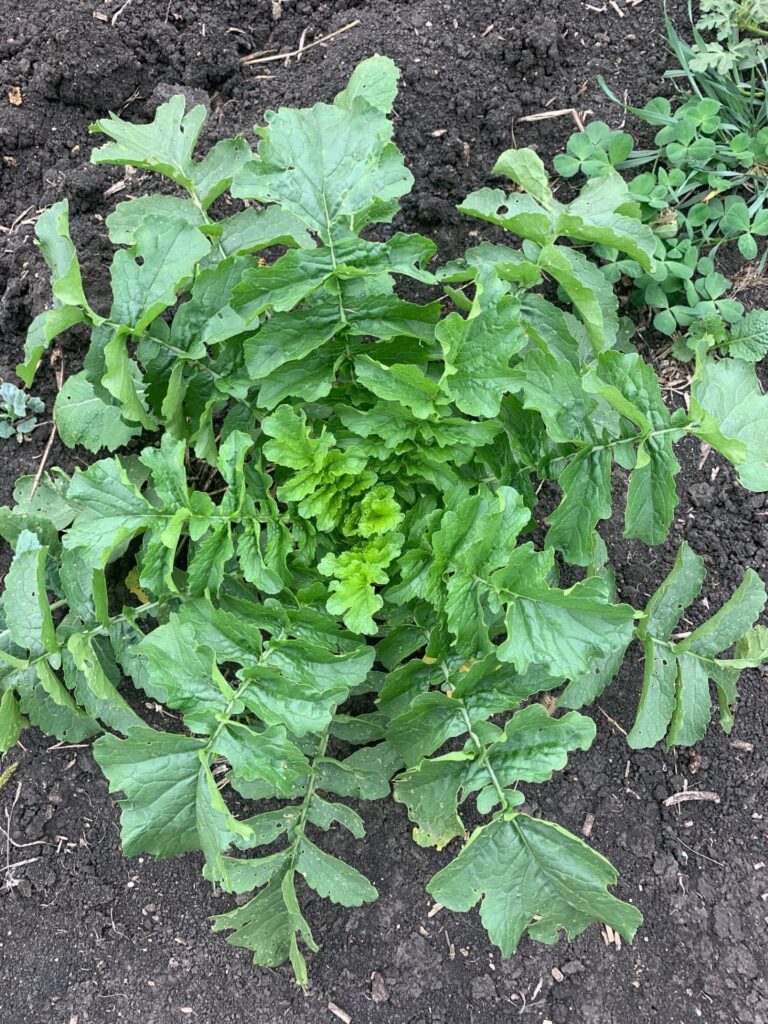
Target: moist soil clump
x=88 y=936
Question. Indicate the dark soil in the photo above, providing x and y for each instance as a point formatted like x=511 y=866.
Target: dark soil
x=90 y=937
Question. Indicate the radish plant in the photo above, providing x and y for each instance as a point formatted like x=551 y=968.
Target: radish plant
x=321 y=560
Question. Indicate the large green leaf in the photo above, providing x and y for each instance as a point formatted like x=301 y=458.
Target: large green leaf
x=475 y=538
x=70 y=304
x=147 y=277
x=110 y=511
x=93 y=677
x=84 y=417
x=334 y=167
x=730 y=412
x=25 y=601
x=630 y=385
x=183 y=675
x=166 y=145
x=158 y=773
x=290 y=336
x=48 y=704
x=533 y=876
x=588 y=290
x=532 y=746
x=12 y=722
x=331 y=878
x=52 y=230
x=675 y=700
x=282 y=285
x=298 y=684
x=270 y=925
x=518 y=213
x=46 y=326
x=563 y=630
x=477 y=352
x=748 y=337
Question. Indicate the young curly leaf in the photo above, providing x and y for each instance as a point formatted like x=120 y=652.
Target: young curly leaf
x=356 y=573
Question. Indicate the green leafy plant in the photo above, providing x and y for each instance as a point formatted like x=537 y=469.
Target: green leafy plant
x=746 y=339
x=594 y=152
x=691 y=202
x=326 y=549
x=707 y=186
x=18 y=411
x=733 y=23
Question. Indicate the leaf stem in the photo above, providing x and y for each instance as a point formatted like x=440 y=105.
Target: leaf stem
x=482 y=751
x=237 y=695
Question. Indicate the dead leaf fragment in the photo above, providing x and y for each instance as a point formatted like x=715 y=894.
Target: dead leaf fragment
x=691 y=794
x=379 y=990
x=14 y=96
